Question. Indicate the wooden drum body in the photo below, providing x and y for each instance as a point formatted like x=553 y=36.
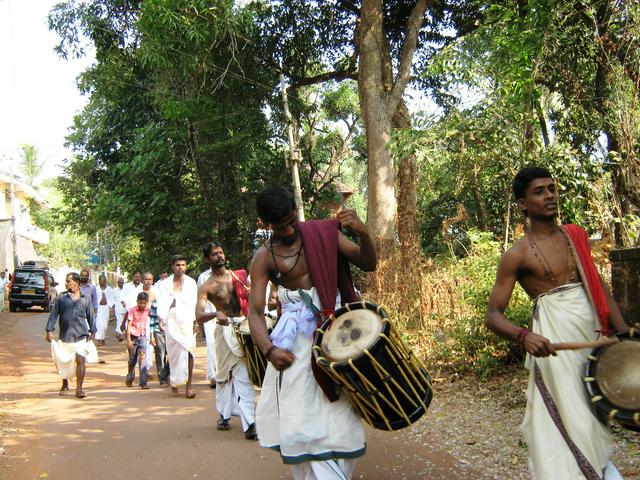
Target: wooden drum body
x=613 y=381
x=256 y=361
x=361 y=350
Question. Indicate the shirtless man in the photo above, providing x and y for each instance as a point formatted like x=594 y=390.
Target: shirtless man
x=565 y=439
x=318 y=437
x=228 y=291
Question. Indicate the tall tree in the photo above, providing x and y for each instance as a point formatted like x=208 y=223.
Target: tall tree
x=374 y=42
x=30 y=165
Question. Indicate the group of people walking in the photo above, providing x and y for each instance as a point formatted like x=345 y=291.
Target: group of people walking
x=302 y=270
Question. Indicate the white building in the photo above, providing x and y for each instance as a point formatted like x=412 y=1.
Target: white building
x=26 y=232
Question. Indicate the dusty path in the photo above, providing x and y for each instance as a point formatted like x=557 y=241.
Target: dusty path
x=125 y=433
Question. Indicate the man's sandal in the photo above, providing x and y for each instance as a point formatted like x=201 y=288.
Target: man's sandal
x=223 y=424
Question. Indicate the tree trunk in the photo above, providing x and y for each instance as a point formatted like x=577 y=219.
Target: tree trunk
x=381 y=202
x=192 y=147
x=408 y=228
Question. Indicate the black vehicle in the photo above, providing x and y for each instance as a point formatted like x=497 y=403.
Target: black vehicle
x=32 y=285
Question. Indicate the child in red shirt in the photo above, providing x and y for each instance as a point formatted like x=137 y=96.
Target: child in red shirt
x=137 y=319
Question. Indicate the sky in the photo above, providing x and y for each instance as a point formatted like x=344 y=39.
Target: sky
x=38 y=92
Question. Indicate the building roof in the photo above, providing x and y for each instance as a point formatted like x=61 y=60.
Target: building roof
x=22 y=186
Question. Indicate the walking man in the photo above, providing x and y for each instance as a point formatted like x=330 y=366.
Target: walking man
x=208 y=326
x=118 y=307
x=176 y=312
x=105 y=303
x=4 y=281
x=300 y=415
x=229 y=292
x=74 y=313
x=131 y=290
x=553 y=265
x=88 y=289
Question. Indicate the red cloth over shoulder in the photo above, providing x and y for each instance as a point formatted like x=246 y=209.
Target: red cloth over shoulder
x=580 y=241
x=329 y=269
x=241 y=288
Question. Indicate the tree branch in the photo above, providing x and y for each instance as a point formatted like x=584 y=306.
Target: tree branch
x=349 y=6
x=337 y=75
x=416 y=19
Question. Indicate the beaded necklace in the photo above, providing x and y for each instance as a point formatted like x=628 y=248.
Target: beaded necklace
x=548 y=272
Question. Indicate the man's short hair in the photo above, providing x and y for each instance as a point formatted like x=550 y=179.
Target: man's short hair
x=274 y=203
x=524 y=177
x=84 y=270
x=137 y=271
x=206 y=250
x=177 y=258
x=75 y=276
x=143 y=296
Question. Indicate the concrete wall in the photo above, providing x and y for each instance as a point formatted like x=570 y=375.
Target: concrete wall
x=625 y=282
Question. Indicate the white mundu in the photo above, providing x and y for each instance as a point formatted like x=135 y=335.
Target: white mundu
x=179 y=320
x=208 y=330
x=565 y=439
x=234 y=391
x=64 y=356
x=318 y=438
x=102 y=315
x=118 y=308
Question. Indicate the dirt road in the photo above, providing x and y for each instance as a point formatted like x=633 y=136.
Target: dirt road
x=125 y=433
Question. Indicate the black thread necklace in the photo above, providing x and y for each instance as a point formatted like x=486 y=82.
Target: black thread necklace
x=296 y=254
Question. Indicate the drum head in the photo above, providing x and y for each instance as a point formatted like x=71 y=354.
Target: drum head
x=618 y=374
x=350 y=334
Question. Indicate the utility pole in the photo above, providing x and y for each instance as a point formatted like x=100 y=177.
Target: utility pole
x=14 y=235
x=293 y=156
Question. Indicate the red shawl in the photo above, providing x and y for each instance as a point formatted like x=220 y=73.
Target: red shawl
x=240 y=287
x=590 y=276
x=329 y=271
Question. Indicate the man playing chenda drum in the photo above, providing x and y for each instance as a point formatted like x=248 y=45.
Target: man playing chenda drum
x=316 y=432
x=229 y=292
x=553 y=264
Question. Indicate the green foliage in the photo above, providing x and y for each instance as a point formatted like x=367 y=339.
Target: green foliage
x=470 y=345
x=66 y=248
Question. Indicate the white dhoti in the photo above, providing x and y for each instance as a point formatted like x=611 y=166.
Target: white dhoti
x=294 y=416
x=119 y=318
x=64 y=356
x=181 y=342
x=565 y=439
x=237 y=396
x=102 y=321
x=234 y=391
x=211 y=350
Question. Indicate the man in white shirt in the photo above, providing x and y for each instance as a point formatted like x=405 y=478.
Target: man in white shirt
x=162 y=276
x=177 y=314
x=130 y=293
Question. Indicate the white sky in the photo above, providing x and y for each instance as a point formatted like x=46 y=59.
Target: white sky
x=38 y=93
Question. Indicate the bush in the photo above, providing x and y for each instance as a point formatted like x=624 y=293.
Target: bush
x=442 y=315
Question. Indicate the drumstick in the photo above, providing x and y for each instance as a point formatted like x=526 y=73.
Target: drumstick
x=580 y=345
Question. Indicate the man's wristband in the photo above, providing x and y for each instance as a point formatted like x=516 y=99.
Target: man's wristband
x=270 y=351
x=521 y=335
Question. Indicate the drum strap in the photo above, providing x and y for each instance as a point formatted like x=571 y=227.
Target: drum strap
x=323 y=379
x=585 y=467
